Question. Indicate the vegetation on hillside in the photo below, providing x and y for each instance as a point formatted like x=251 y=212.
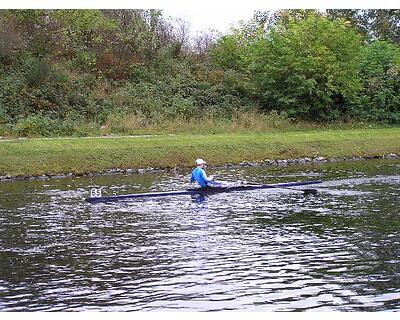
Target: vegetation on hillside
x=66 y=72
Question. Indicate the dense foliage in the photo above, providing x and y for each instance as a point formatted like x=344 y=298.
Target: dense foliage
x=65 y=71
x=311 y=66
x=380 y=73
x=309 y=70
x=61 y=69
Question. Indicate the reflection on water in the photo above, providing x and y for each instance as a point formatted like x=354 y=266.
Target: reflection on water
x=262 y=250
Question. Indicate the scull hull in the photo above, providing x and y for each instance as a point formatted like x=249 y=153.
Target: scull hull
x=199 y=191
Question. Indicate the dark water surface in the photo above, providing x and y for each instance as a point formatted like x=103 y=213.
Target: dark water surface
x=265 y=250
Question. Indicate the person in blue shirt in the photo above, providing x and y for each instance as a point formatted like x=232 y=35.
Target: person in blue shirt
x=199 y=175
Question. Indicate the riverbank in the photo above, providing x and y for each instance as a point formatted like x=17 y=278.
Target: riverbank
x=43 y=158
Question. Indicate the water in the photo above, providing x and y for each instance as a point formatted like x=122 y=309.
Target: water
x=270 y=250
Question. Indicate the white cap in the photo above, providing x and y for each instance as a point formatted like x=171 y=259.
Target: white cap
x=200 y=161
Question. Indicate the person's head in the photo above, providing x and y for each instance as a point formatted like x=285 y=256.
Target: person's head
x=201 y=163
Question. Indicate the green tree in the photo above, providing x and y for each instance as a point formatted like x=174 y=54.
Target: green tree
x=228 y=53
x=309 y=69
x=373 y=24
x=36 y=27
x=380 y=72
x=271 y=19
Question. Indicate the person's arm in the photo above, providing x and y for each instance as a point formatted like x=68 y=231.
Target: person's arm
x=192 y=179
x=204 y=176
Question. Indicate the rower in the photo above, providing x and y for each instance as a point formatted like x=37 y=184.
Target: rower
x=199 y=175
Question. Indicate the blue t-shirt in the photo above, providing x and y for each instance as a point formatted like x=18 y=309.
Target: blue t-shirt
x=199 y=175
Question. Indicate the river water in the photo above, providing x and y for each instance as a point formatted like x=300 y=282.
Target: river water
x=262 y=250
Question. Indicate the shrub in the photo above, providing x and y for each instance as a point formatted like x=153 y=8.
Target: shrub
x=307 y=68
x=380 y=71
x=85 y=59
x=12 y=99
x=33 y=126
x=310 y=69
x=38 y=73
x=39 y=125
x=4 y=118
x=7 y=130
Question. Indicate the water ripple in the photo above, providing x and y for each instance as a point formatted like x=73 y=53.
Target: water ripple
x=271 y=250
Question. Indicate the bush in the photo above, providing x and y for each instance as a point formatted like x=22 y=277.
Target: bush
x=12 y=100
x=66 y=71
x=4 y=118
x=7 y=130
x=38 y=74
x=307 y=68
x=33 y=126
x=85 y=60
x=380 y=71
x=38 y=125
x=310 y=70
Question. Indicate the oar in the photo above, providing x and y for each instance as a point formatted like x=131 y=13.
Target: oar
x=306 y=191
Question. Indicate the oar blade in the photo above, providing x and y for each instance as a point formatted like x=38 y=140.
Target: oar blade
x=310 y=191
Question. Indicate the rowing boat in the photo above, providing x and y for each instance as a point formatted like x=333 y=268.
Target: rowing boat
x=95 y=194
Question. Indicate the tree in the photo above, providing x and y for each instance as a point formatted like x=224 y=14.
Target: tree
x=80 y=30
x=281 y=18
x=380 y=73
x=309 y=69
x=228 y=53
x=11 y=39
x=236 y=50
x=382 y=24
x=202 y=43
x=36 y=27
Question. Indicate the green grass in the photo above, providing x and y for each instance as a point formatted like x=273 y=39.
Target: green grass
x=132 y=124
x=84 y=155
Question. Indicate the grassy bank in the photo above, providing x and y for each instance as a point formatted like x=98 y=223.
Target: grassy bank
x=84 y=155
x=133 y=124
